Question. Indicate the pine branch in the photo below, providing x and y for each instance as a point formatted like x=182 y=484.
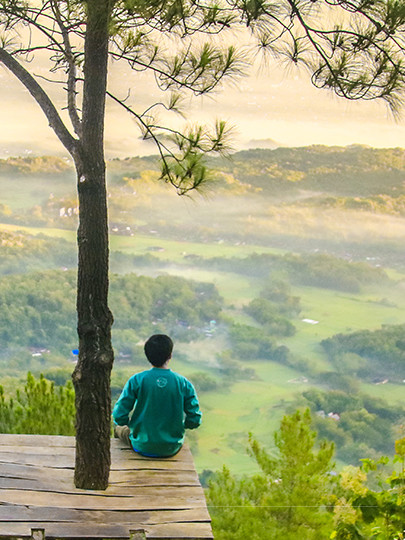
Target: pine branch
x=72 y=79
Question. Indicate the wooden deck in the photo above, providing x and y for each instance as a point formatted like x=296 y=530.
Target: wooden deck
x=147 y=498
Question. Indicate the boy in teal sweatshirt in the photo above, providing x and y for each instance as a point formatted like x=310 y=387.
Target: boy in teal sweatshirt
x=156 y=405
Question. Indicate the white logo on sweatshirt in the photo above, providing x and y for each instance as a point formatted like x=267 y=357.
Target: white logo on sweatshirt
x=161 y=382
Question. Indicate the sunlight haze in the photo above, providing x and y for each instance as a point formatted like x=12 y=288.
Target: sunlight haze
x=267 y=110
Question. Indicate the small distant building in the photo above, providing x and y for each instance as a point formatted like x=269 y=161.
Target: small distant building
x=380 y=381
x=334 y=416
x=310 y=321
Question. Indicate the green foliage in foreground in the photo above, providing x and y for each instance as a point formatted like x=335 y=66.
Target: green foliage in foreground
x=298 y=495
x=286 y=500
x=364 y=513
x=40 y=408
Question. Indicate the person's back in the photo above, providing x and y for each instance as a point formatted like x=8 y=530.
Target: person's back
x=163 y=404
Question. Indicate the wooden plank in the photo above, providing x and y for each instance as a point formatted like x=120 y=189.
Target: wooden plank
x=62 y=462
x=42 y=443
x=129 y=461
x=20 y=470
x=178 y=531
x=10 y=513
x=132 y=464
x=123 y=458
x=188 y=497
x=118 y=455
x=124 y=454
x=33 y=450
x=71 y=530
x=175 y=531
x=154 y=477
x=54 y=462
x=117 y=478
x=67 y=487
x=11 y=439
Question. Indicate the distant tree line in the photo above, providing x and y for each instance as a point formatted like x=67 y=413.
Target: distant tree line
x=273 y=307
x=22 y=252
x=378 y=204
x=35 y=165
x=318 y=167
x=38 y=309
x=370 y=354
x=360 y=425
x=316 y=270
x=354 y=169
x=352 y=178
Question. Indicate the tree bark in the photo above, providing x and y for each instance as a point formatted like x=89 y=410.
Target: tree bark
x=91 y=376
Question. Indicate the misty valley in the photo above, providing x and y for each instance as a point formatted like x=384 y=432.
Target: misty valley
x=282 y=285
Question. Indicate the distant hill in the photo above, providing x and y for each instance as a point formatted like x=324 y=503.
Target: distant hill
x=345 y=171
x=350 y=199
x=35 y=165
x=262 y=143
x=352 y=170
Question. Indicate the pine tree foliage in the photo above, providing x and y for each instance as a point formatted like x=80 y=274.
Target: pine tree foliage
x=174 y=41
x=40 y=408
x=356 y=48
x=298 y=495
x=287 y=499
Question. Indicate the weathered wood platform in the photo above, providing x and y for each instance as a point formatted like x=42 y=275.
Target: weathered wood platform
x=153 y=498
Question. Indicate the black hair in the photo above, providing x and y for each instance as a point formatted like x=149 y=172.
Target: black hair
x=158 y=349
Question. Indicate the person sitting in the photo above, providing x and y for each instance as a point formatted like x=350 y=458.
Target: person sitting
x=157 y=405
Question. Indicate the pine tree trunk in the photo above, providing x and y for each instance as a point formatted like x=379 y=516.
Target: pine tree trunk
x=91 y=376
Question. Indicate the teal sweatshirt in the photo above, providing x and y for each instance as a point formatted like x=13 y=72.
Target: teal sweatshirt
x=163 y=404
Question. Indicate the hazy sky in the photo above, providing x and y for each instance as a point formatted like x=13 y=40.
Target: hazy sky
x=272 y=105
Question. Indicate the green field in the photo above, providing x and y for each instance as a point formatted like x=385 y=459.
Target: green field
x=141 y=244
x=54 y=233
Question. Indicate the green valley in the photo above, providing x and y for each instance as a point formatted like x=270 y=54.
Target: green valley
x=288 y=249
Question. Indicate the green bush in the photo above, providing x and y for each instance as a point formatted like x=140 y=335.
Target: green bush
x=40 y=408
